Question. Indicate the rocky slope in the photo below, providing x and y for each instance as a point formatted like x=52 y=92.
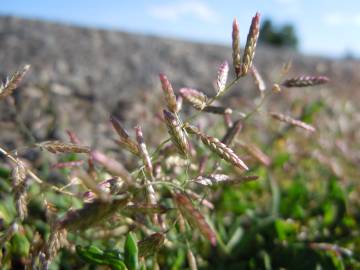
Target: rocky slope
x=80 y=75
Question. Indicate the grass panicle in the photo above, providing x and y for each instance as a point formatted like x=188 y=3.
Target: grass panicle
x=196 y=98
x=305 y=81
x=236 y=48
x=7 y=88
x=292 y=121
x=250 y=46
x=169 y=95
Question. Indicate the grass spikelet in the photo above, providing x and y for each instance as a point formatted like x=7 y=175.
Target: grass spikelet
x=305 y=81
x=236 y=48
x=7 y=88
x=250 y=46
x=73 y=137
x=178 y=136
x=151 y=244
x=125 y=141
x=232 y=132
x=111 y=165
x=90 y=183
x=143 y=151
x=222 y=77
x=196 y=98
x=170 y=97
x=56 y=241
x=292 y=121
x=259 y=82
x=61 y=147
x=150 y=191
x=211 y=179
x=19 y=188
x=194 y=217
x=257 y=153
x=218 y=110
x=91 y=213
x=191 y=260
x=219 y=148
x=111 y=186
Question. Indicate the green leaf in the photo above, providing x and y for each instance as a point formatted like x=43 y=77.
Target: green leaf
x=91 y=254
x=131 y=252
x=20 y=245
x=95 y=255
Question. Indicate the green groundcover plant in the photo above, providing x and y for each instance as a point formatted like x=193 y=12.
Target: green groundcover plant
x=242 y=193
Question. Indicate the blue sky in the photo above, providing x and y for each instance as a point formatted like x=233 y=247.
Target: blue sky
x=329 y=27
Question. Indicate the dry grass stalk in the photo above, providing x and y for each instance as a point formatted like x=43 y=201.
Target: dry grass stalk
x=259 y=82
x=170 y=97
x=112 y=166
x=305 y=81
x=194 y=217
x=91 y=214
x=291 y=121
x=191 y=260
x=196 y=98
x=222 y=78
x=7 y=88
x=218 y=110
x=250 y=46
x=61 y=147
x=232 y=132
x=19 y=188
x=236 y=48
x=151 y=244
x=177 y=134
x=219 y=148
x=125 y=140
x=257 y=153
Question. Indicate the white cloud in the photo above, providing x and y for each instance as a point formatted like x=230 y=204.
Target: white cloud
x=341 y=19
x=178 y=10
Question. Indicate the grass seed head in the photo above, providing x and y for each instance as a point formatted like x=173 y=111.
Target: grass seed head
x=7 y=88
x=61 y=147
x=196 y=98
x=177 y=134
x=250 y=46
x=259 y=82
x=305 y=81
x=292 y=121
x=219 y=148
x=236 y=48
x=194 y=217
x=222 y=77
x=170 y=97
x=125 y=140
